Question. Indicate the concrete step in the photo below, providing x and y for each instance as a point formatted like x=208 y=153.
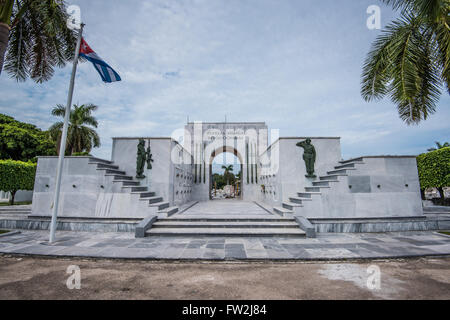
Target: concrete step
x=3 y=213
x=282 y=211
x=169 y=211
x=340 y=171
x=227 y=232
x=152 y=200
x=312 y=189
x=348 y=165
x=128 y=183
x=12 y=209
x=299 y=200
x=323 y=183
x=113 y=171
x=291 y=205
x=333 y=177
x=160 y=205
x=119 y=177
x=98 y=160
x=308 y=195
x=106 y=166
x=137 y=190
x=147 y=195
x=268 y=218
x=351 y=160
x=215 y=224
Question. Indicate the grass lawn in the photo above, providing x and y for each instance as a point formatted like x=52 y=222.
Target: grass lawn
x=5 y=204
x=3 y=231
x=445 y=232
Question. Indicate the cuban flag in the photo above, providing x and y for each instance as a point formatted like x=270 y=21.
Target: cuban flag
x=106 y=72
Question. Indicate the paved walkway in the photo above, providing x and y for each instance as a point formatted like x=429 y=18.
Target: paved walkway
x=228 y=208
x=325 y=246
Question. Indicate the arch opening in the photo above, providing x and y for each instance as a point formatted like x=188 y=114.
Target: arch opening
x=225 y=172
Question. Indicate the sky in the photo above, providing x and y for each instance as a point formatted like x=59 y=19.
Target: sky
x=294 y=64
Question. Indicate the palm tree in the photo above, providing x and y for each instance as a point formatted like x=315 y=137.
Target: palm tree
x=227 y=171
x=80 y=136
x=35 y=38
x=439 y=146
x=410 y=60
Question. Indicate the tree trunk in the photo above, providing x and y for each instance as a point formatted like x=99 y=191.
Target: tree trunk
x=13 y=195
x=441 y=194
x=4 y=38
x=422 y=193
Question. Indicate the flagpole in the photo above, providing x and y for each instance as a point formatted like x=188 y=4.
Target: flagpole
x=62 y=148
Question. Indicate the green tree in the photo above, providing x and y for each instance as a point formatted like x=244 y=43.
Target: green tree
x=439 y=146
x=34 y=38
x=15 y=176
x=80 y=136
x=23 y=141
x=228 y=173
x=410 y=60
x=434 y=170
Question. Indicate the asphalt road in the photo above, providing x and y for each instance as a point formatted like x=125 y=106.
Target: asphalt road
x=42 y=278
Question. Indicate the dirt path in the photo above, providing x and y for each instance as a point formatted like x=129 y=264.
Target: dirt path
x=39 y=278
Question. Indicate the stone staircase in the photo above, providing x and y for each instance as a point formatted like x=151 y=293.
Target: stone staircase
x=128 y=184
x=310 y=198
x=223 y=227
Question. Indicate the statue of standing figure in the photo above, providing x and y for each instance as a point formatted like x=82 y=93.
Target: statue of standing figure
x=309 y=155
x=141 y=159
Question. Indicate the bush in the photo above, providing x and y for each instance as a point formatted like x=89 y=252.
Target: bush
x=15 y=176
x=434 y=170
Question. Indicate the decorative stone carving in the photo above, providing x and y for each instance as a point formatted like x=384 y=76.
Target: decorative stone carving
x=309 y=155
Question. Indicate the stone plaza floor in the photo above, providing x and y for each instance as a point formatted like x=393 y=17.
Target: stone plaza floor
x=324 y=247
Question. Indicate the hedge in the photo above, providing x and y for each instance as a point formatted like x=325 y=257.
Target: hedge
x=16 y=175
x=434 y=169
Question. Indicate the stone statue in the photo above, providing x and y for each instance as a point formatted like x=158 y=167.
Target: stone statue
x=141 y=158
x=149 y=156
x=309 y=155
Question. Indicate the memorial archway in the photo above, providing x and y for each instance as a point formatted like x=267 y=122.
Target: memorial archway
x=238 y=190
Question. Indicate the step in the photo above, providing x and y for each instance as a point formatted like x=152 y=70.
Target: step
x=215 y=224
x=308 y=195
x=340 y=171
x=119 y=177
x=323 y=183
x=24 y=212
x=348 y=165
x=351 y=160
x=137 y=190
x=146 y=195
x=98 y=160
x=113 y=171
x=274 y=218
x=105 y=166
x=282 y=211
x=333 y=177
x=152 y=200
x=9 y=208
x=312 y=189
x=128 y=183
x=227 y=232
x=299 y=200
x=169 y=211
x=160 y=205
x=291 y=205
